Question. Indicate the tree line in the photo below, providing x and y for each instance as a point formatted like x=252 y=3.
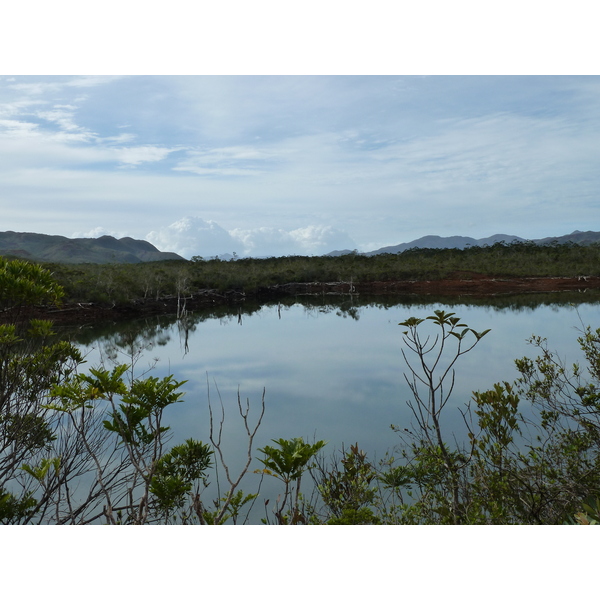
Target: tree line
x=123 y=283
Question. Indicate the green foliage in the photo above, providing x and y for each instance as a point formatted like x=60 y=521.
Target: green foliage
x=165 y=481
x=436 y=469
x=289 y=462
x=138 y=418
x=348 y=491
x=23 y=283
x=516 y=469
x=291 y=459
x=234 y=504
x=175 y=473
x=43 y=469
x=59 y=427
x=14 y=510
x=28 y=431
x=589 y=513
x=353 y=516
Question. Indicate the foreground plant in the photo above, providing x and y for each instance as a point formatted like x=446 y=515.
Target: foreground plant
x=533 y=452
x=348 y=489
x=436 y=469
x=289 y=462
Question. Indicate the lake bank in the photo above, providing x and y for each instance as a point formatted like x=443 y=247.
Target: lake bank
x=459 y=284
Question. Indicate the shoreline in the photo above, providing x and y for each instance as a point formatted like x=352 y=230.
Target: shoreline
x=459 y=284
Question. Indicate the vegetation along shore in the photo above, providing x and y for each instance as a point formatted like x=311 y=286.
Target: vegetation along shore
x=94 y=291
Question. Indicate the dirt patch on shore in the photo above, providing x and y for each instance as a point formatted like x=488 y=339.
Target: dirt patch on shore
x=480 y=285
x=458 y=283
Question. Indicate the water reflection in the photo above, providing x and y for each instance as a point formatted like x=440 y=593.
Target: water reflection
x=332 y=367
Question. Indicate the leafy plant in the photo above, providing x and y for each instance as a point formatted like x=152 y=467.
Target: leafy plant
x=348 y=490
x=289 y=462
x=176 y=472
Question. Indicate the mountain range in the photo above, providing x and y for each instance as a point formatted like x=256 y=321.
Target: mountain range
x=107 y=249
x=102 y=250
x=461 y=242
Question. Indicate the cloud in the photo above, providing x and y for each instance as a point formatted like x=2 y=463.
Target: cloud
x=51 y=133
x=228 y=161
x=193 y=236
x=99 y=232
x=12 y=128
x=138 y=154
x=62 y=116
x=314 y=239
x=44 y=86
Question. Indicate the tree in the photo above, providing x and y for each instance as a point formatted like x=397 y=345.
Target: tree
x=230 y=503
x=535 y=466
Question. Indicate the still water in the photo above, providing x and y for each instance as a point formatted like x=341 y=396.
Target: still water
x=331 y=370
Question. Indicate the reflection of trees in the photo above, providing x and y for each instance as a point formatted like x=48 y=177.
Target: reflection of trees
x=512 y=302
x=136 y=336
x=128 y=338
x=350 y=306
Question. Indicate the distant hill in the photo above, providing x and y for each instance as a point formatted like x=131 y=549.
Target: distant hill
x=102 y=250
x=461 y=242
x=577 y=237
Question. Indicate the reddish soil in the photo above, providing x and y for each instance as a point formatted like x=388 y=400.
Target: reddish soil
x=458 y=284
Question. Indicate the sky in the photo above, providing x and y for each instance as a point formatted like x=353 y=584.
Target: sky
x=276 y=165
x=270 y=130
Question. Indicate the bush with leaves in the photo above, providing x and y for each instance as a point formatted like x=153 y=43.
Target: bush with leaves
x=289 y=462
x=83 y=447
x=348 y=492
x=519 y=467
x=31 y=363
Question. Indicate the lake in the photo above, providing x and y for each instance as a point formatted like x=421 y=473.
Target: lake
x=331 y=367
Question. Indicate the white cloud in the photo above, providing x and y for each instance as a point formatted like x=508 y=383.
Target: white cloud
x=12 y=128
x=44 y=87
x=229 y=161
x=99 y=232
x=193 y=236
x=23 y=143
x=63 y=118
x=52 y=130
x=87 y=81
x=314 y=239
x=136 y=155
x=35 y=88
x=16 y=107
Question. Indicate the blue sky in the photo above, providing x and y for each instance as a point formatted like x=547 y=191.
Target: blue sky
x=299 y=164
